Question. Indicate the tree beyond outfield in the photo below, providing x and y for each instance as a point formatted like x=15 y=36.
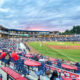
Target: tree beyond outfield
x=74 y=30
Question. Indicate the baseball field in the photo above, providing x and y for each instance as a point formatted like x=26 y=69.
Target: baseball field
x=62 y=50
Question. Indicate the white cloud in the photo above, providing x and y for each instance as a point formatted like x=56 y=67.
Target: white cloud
x=1 y=2
x=21 y=13
x=4 y=10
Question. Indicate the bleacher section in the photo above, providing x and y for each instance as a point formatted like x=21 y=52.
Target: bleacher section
x=27 y=66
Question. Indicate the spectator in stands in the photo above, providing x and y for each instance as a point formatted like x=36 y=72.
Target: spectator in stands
x=5 y=50
x=15 y=56
x=63 y=61
x=72 y=63
x=59 y=64
x=7 y=58
x=54 y=76
x=41 y=60
x=59 y=75
x=3 y=54
x=46 y=77
x=0 y=76
x=0 y=55
x=77 y=64
x=48 y=62
x=35 y=57
x=28 y=48
x=67 y=74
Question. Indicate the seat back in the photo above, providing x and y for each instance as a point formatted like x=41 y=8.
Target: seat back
x=0 y=76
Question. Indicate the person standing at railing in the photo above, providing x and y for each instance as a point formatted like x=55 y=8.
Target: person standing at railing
x=15 y=56
x=7 y=58
x=2 y=56
x=54 y=76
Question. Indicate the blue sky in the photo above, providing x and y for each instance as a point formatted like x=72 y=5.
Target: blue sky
x=40 y=14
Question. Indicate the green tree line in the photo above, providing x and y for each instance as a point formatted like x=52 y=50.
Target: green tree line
x=74 y=30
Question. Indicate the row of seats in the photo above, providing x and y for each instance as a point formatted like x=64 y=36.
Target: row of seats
x=73 y=38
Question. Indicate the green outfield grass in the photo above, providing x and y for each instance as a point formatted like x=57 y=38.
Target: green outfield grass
x=70 y=55
x=63 y=43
